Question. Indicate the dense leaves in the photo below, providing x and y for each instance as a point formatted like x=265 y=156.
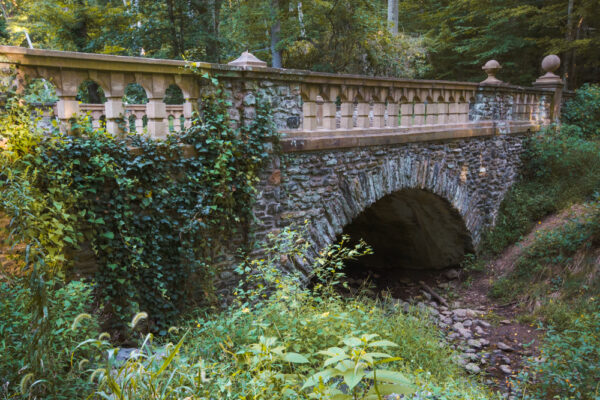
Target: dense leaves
x=152 y=216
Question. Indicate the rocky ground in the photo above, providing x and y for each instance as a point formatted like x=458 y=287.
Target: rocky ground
x=490 y=340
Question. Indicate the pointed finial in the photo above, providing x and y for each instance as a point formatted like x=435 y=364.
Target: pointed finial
x=248 y=59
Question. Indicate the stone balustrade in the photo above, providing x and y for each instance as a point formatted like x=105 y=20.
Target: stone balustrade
x=312 y=110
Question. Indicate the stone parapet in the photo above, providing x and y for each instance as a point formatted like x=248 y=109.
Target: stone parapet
x=308 y=106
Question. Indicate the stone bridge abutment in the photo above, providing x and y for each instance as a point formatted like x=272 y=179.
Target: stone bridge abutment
x=460 y=182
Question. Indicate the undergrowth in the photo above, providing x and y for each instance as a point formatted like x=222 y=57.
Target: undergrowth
x=282 y=340
x=556 y=279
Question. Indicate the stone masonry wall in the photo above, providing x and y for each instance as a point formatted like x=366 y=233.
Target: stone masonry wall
x=331 y=188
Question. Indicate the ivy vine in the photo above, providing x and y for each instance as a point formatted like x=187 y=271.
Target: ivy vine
x=154 y=217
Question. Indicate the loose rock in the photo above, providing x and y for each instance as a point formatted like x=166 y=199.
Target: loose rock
x=472 y=368
x=505 y=369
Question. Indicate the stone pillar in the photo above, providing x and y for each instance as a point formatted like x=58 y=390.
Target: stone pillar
x=189 y=106
x=113 y=84
x=363 y=114
x=156 y=109
x=553 y=82
x=406 y=114
x=378 y=114
x=347 y=113
x=67 y=84
x=393 y=109
x=114 y=112
x=66 y=109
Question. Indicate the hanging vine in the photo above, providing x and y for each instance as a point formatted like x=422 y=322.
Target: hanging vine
x=153 y=217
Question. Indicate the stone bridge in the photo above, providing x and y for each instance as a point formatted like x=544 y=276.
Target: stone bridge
x=416 y=167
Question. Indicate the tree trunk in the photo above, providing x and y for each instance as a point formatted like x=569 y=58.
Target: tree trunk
x=569 y=38
x=393 y=16
x=275 y=36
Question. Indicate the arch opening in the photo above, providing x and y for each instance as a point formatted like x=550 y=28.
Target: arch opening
x=415 y=234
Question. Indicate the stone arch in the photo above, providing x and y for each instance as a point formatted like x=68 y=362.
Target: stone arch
x=173 y=95
x=40 y=92
x=90 y=92
x=412 y=229
x=361 y=190
x=135 y=94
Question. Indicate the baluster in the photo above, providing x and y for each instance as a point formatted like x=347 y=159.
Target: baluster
x=363 y=109
x=431 y=112
x=309 y=107
x=393 y=110
x=329 y=98
x=419 y=112
x=379 y=98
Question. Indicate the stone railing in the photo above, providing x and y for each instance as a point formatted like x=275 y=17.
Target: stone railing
x=312 y=110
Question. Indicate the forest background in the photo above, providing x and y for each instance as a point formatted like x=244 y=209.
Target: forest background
x=437 y=39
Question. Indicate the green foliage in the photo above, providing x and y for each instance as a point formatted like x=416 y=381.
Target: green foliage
x=569 y=364
x=583 y=111
x=356 y=364
x=561 y=166
x=49 y=366
x=150 y=225
x=270 y=343
x=463 y=34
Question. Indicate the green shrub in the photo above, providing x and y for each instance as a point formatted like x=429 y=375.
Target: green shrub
x=53 y=373
x=270 y=342
x=569 y=364
x=583 y=111
x=559 y=170
x=153 y=218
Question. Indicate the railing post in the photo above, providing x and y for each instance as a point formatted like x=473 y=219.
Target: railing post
x=113 y=84
x=329 y=96
x=189 y=106
x=67 y=106
x=393 y=109
x=156 y=109
x=114 y=112
x=406 y=111
x=309 y=107
x=552 y=81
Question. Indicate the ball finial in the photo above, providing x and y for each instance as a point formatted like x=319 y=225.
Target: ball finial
x=550 y=63
x=491 y=68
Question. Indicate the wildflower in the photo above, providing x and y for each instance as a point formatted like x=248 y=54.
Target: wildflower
x=246 y=310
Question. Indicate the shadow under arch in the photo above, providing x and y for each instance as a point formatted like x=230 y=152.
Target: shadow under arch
x=414 y=234
x=412 y=229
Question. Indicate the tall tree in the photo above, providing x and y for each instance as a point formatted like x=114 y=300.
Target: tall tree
x=393 y=16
